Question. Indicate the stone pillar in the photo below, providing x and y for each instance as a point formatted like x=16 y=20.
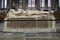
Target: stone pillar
x=8 y=4
x=13 y=4
x=37 y=2
x=0 y=4
x=53 y=5
x=16 y=4
x=57 y=5
x=24 y=4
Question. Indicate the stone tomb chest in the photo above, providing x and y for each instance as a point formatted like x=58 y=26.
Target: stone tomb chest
x=29 y=21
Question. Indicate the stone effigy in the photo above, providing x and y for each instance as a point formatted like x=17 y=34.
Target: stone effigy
x=29 y=21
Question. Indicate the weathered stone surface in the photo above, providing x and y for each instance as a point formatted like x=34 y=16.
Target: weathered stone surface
x=28 y=20
x=27 y=24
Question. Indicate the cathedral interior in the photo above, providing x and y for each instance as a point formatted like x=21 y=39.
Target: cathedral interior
x=14 y=12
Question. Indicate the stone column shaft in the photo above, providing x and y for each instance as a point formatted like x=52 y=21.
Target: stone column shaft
x=37 y=4
x=24 y=4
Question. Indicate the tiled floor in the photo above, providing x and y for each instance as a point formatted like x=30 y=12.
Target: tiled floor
x=40 y=36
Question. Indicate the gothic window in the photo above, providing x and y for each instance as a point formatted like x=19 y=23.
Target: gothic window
x=42 y=4
x=49 y=3
x=31 y=4
x=4 y=4
x=59 y=3
x=45 y=4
